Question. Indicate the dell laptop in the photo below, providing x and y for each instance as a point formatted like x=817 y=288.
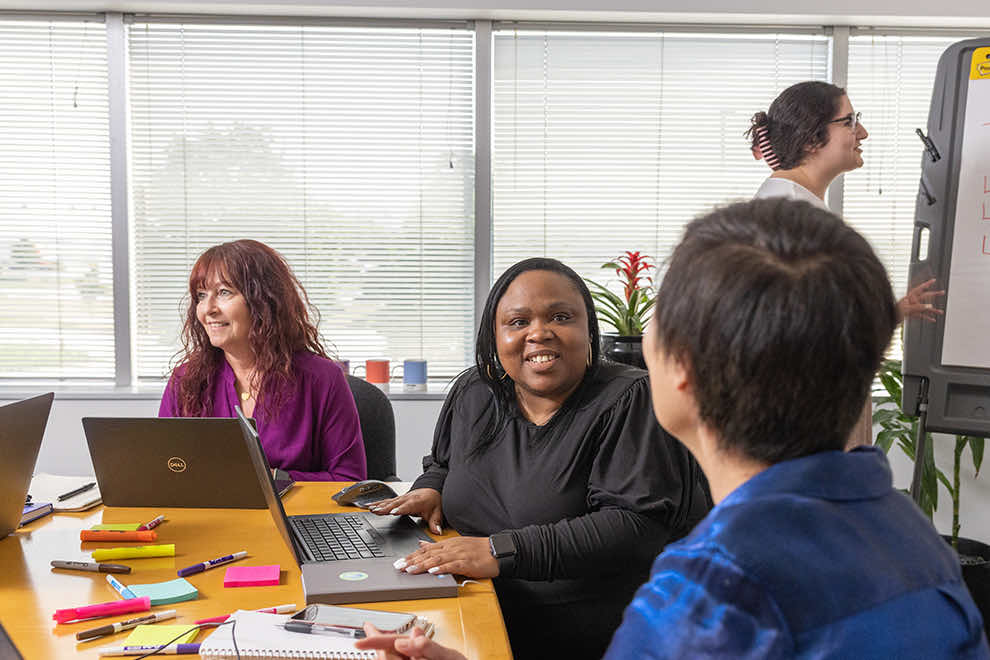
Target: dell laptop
x=197 y=462
x=22 y=426
x=348 y=557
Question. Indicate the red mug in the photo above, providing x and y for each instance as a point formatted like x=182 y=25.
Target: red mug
x=376 y=372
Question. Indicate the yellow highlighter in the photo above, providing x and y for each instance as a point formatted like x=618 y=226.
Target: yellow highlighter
x=139 y=552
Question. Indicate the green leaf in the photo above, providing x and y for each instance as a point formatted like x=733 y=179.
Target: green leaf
x=885 y=439
x=976 y=448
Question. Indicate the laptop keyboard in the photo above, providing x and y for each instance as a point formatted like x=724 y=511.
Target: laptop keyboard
x=337 y=537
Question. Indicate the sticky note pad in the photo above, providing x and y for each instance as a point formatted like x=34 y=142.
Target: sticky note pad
x=158 y=634
x=164 y=593
x=251 y=576
x=116 y=527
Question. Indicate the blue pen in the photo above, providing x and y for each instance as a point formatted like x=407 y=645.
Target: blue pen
x=120 y=588
x=202 y=566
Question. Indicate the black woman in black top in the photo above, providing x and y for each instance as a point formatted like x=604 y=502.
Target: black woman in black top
x=553 y=461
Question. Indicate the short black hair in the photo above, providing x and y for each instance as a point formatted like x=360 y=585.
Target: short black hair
x=782 y=313
x=486 y=351
x=797 y=120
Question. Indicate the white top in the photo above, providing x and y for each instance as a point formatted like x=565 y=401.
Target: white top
x=779 y=187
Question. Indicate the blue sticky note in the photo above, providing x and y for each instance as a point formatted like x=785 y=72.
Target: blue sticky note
x=165 y=593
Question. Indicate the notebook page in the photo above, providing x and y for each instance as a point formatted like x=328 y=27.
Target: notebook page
x=260 y=634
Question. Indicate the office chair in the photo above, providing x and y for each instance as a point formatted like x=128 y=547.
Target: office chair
x=377 y=427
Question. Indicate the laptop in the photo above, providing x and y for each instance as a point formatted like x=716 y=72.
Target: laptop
x=22 y=426
x=348 y=557
x=196 y=462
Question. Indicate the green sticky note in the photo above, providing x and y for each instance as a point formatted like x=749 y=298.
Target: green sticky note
x=165 y=593
x=118 y=527
x=158 y=634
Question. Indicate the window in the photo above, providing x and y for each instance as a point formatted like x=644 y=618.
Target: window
x=55 y=228
x=349 y=150
x=605 y=142
x=890 y=82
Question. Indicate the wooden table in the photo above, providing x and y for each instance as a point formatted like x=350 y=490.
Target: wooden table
x=31 y=590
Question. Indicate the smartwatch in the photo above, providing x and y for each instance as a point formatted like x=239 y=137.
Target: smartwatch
x=502 y=545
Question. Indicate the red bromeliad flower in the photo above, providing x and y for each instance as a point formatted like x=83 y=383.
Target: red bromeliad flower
x=629 y=267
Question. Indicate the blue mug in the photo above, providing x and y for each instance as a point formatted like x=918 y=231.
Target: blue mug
x=413 y=375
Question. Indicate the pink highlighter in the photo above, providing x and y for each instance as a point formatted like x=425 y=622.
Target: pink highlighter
x=103 y=609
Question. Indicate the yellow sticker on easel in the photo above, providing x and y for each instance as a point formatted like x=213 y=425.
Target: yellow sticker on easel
x=981 y=64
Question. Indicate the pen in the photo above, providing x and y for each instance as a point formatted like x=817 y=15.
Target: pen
x=174 y=649
x=151 y=524
x=91 y=566
x=112 y=628
x=199 y=568
x=73 y=493
x=313 y=627
x=120 y=588
x=278 y=609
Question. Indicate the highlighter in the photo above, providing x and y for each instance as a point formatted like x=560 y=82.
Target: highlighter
x=108 y=535
x=103 y=609
x=139 y=552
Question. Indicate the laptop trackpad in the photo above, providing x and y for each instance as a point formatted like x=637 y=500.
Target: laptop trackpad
x=397 y=536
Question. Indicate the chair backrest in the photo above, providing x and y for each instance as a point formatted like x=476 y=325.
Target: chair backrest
x=377 y=427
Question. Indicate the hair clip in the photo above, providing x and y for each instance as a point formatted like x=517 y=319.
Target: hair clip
x=763 y=149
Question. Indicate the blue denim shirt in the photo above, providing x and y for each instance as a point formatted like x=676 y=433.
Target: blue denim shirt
x=817 y=557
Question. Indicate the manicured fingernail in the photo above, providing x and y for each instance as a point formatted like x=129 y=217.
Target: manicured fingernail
x=422 y=542
x=399 y=564
x=439 y=529
x=410 y=569
x=434 y=570
x=393 y=512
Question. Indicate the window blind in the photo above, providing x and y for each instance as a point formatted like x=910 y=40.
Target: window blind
x=55 y=231
x=348 y=149
x=609 y=142
x=890 y=82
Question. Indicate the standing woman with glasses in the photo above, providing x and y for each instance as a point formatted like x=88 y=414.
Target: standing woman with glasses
x=810 y=135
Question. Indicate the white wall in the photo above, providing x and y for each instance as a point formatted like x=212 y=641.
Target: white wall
x=64 y=450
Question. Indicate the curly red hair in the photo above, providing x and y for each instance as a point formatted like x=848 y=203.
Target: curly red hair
x=281 y=324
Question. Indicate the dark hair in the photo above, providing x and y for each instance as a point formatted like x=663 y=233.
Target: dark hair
x=781 y=313
x=797 y=120
x=280 y=323
x=486 y=352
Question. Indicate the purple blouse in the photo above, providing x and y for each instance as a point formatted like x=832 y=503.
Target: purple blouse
x=316 y=435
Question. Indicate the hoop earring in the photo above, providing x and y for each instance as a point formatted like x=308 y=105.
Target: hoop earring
x=590 y=354
x=488 y=370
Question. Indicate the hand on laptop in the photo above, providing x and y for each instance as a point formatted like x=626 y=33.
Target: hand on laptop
x=422 y=502
x=416 y=646
x=470 y=556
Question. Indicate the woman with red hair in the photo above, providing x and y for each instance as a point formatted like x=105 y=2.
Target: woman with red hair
x=248 y=340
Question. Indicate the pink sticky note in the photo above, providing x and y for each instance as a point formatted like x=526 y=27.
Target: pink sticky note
x=251 y=576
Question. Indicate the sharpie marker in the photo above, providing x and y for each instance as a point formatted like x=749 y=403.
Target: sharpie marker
x=278 y=609
x=120 y=588
x=112 y=628
x=91 y=566
x=174 y=649
x=151 y=524
x=199 y=568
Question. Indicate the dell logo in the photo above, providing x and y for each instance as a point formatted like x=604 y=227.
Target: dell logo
x=176 y=464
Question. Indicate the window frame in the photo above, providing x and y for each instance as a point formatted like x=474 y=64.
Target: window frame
x=124 y=381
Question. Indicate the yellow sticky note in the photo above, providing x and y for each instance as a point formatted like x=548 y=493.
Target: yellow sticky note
x=158 y=634
x=138 y=552
x=117 y=527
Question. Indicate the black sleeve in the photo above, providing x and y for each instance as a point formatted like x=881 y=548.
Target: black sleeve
x=435 y=464
x=642 y=493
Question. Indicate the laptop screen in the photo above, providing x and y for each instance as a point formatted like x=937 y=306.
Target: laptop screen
x=264 y=473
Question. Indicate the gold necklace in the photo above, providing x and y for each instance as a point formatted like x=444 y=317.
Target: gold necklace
x=245 y=396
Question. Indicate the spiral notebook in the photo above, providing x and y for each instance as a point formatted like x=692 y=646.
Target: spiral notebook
x=261 y=635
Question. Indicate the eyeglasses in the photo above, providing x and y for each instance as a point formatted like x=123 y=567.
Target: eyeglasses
x=851 y=120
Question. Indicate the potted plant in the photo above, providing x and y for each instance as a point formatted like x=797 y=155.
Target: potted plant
x=895 y=426
x=629 y=312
